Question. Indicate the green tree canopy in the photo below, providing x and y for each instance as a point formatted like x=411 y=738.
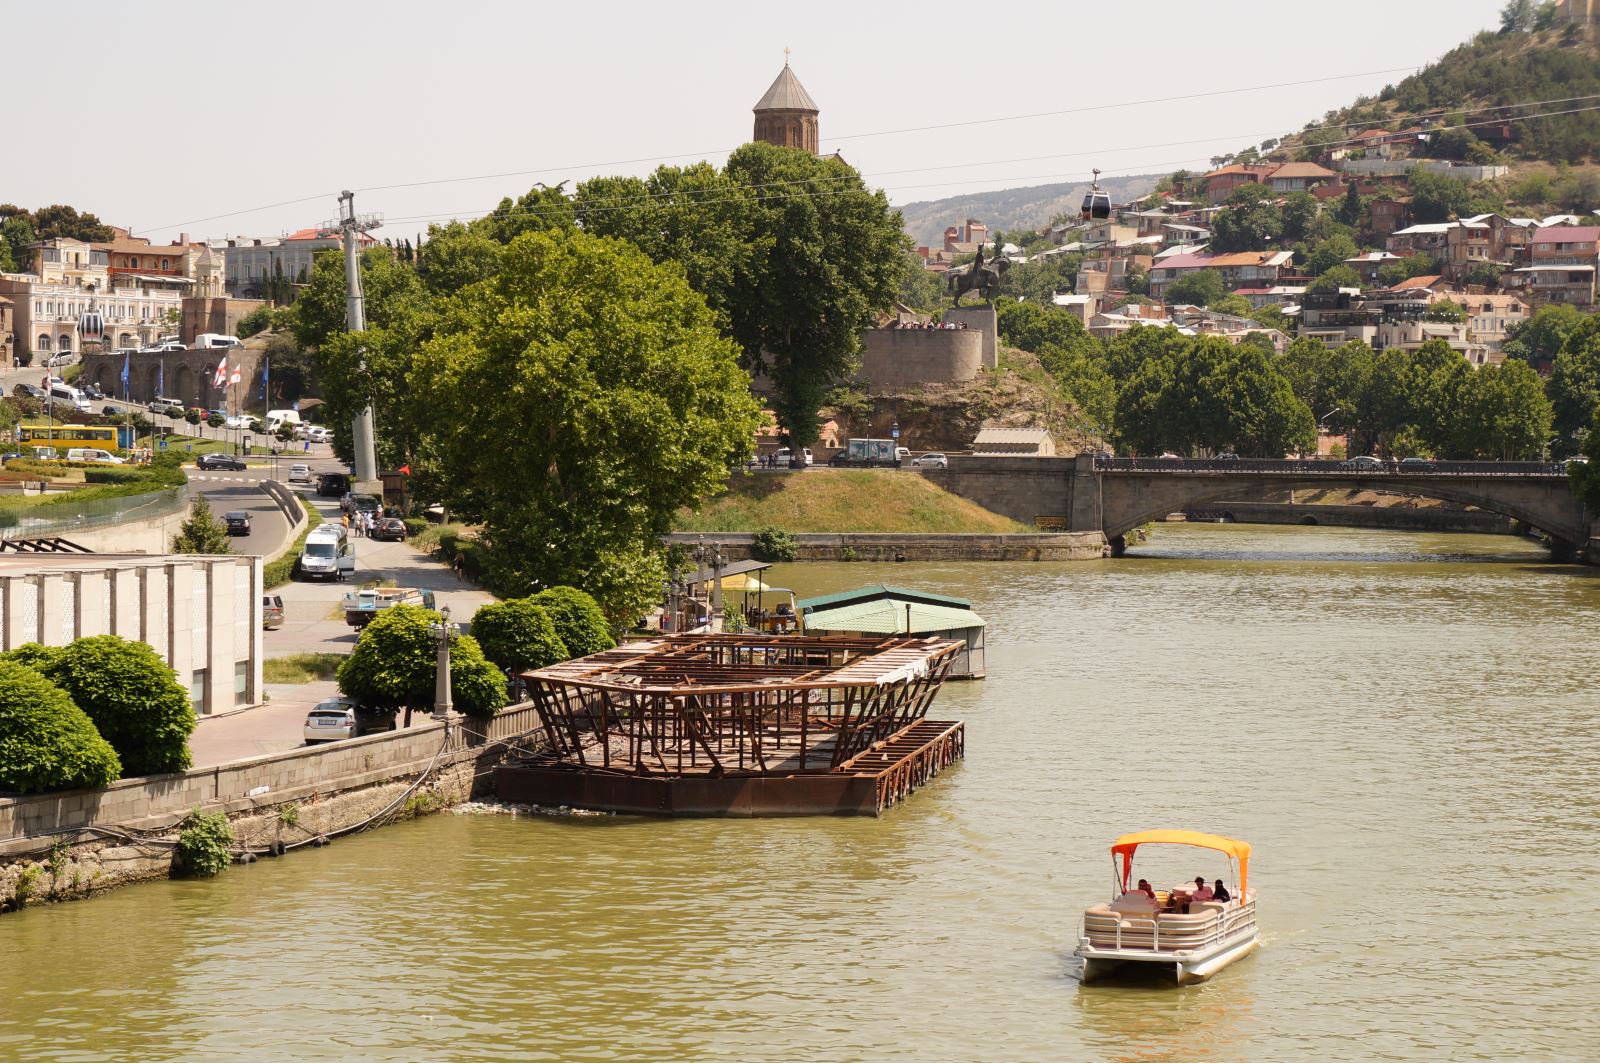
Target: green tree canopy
x=1333 y=251
x=1574 y=386
x=578 y=619
x=518 y=635
x=1201 y=287
x=395 y=665
x=133 y=698
x=202 y=532
x=1446 y=310
x=1503 y=414
x=1540 y=338
x=47 y=742
x=1334 y=278
x=624 y=402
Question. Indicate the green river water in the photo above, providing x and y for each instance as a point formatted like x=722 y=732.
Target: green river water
x=1403 y=725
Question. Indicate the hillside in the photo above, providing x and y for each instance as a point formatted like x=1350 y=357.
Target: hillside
x=841 y=500
x=1478 y=82
x=1013 y=208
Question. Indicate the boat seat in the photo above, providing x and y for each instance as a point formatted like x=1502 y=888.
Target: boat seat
x=1210 y=907
x=1134 y=903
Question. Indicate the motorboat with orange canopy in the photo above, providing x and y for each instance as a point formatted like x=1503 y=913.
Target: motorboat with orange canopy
x=1195 y=934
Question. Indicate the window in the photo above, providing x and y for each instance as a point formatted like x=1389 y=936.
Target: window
x=241 y=683
x=44 y=342
x=197 y=690
x=165 y=264
x=133 y=262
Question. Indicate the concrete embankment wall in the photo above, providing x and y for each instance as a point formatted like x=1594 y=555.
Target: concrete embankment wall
x=95 y=834
x=153 y=536
x=1430 y=518
x=890 y=546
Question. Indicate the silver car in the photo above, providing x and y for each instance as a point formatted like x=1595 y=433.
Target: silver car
x=931 y=460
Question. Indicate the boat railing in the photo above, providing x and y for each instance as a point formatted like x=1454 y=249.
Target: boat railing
x=1191 y=937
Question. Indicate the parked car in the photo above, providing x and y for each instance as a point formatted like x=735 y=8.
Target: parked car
x=299 y=473
x=360 y=607
x=238 y=522
x=110 y=411
x=318 y=434
x=237 y=420
x=1363 y=463
x=220 y=461
x=159 y=405
x=28 y=391
x=931 y=460
x=91 y=391
x=786 y=458
x=1415 y=465
x=389 y=530
x=341 y=717
x=271 y=611
x=333 y=485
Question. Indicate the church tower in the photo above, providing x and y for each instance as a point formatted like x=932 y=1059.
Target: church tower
x=787 y=115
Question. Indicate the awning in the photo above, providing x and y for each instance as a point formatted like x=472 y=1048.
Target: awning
x=1234 y=848
x=886 y=616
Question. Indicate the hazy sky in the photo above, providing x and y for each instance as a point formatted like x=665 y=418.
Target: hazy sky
x=190 y=116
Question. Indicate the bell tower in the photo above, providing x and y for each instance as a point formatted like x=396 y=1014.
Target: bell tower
x=787 y=115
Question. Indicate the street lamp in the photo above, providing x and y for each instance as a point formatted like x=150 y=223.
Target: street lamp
x=442 y=633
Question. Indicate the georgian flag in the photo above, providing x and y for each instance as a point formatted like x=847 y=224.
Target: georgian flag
x=233 y=378
x=221 y=376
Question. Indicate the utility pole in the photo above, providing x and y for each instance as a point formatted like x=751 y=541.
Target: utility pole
x=366 y=457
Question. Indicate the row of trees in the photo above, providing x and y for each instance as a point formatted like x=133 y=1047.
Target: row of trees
x=19 y=228
x=1155 y=389
x=393 y=666
x=86 y=714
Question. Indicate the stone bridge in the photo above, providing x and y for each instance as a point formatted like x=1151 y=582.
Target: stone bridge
x=1115 y=495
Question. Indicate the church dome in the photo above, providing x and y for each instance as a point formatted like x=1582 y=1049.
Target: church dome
x=786 y=94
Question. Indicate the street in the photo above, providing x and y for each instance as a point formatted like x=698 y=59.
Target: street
x=313 y=622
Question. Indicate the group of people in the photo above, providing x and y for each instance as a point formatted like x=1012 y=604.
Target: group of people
x=948 y=326
x=1180 y=900
x=359 y=524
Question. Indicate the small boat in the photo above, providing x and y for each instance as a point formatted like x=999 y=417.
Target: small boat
x=1195 y=939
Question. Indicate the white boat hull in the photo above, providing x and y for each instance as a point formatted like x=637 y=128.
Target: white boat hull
x=1190 y=967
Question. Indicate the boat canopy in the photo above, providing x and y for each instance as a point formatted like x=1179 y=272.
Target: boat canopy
x=1235 y=849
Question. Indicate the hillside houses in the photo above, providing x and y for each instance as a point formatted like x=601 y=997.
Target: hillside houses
x=1244 y=269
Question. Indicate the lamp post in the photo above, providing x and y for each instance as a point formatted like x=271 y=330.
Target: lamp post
x=442 y=632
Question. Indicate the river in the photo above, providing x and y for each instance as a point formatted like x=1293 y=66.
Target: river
x=1403 y=725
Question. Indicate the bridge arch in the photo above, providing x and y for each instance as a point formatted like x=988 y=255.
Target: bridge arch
x=1543 y=503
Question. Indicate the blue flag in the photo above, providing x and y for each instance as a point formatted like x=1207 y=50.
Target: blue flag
x=161 y=378
x=124 y=374
x=266 y=364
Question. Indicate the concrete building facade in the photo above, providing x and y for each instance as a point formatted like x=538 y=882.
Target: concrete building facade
x=202 y=615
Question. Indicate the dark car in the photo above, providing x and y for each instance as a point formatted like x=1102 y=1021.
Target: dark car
x=238 y=522
x=1415 y=465
x=110 y=411
x=352 y=504
x=390 y=530
x=333 y=485
x=220 y=461
x=92 y=392
x=28 y=391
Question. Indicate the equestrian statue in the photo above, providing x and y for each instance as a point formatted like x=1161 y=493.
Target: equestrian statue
x=984 y=279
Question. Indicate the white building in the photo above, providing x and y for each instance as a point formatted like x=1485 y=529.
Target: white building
x=201 y=614
x=249 y=263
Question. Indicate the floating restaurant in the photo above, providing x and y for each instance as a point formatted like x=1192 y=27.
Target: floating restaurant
x=740 y=725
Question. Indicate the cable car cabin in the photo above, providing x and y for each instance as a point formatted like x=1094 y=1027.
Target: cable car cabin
x=1096 y=205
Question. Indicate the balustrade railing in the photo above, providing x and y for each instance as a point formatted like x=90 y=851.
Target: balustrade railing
x=1333 y=468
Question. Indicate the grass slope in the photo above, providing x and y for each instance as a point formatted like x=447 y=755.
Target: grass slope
x=842 y=500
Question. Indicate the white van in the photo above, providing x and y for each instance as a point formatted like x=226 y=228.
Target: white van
x=66 y=393
x=276 y=418
x=328 y=554
x=93 y=454
x=209 y=340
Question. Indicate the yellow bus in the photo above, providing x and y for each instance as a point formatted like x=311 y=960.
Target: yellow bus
x=106 y=437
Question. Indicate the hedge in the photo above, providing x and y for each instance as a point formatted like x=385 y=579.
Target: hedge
x=281 y=571
x=133 y=697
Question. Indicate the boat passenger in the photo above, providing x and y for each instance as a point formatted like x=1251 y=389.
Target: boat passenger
x=1144 y=887
x=1220 y=893
x=1202 y=892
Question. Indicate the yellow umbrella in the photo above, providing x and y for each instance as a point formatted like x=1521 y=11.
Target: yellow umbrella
x=749 y=582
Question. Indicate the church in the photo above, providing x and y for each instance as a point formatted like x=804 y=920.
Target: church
x=786 y=115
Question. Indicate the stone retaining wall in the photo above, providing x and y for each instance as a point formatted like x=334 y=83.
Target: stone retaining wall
x=891 y=546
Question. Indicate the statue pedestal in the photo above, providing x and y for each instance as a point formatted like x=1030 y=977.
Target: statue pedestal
x=981 y=319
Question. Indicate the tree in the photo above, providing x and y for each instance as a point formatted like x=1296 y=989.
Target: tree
x=47 y=742
x=1350 y=207
x=62 y=220
x=1436 y=198
x=1232 y=303
x=518 y=635
x=1579 y=192
x=133 y=698
x=1031 y=326
x=1300 y=209
x=1445 y=310
x=1539 y=339
x=920 y=288
x=1517 y=17
x=1574 y=386
x=202 y=533
x=1503 y=413
x=578 y=620
x=1083 y=381
x=1331 y=252
x=1251 y=227
x=1201 y=287
x=1336 y=277
x=395 y=665
x=215 y=420
x=1585 y=475
x=793 y=278
x=456 y=255
x=624 y=401
x=1485 y=275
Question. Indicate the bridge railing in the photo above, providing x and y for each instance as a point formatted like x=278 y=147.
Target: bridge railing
x=1331 y=468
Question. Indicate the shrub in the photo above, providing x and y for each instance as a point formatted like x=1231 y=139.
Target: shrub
x=204 y=843
x=133 y=698
x=415 y=526
x=46 y=742
x=579 y=622
x=202 y=533
x=395 y=665
x=518 y=635
x=276 y=573
x=773 y=544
